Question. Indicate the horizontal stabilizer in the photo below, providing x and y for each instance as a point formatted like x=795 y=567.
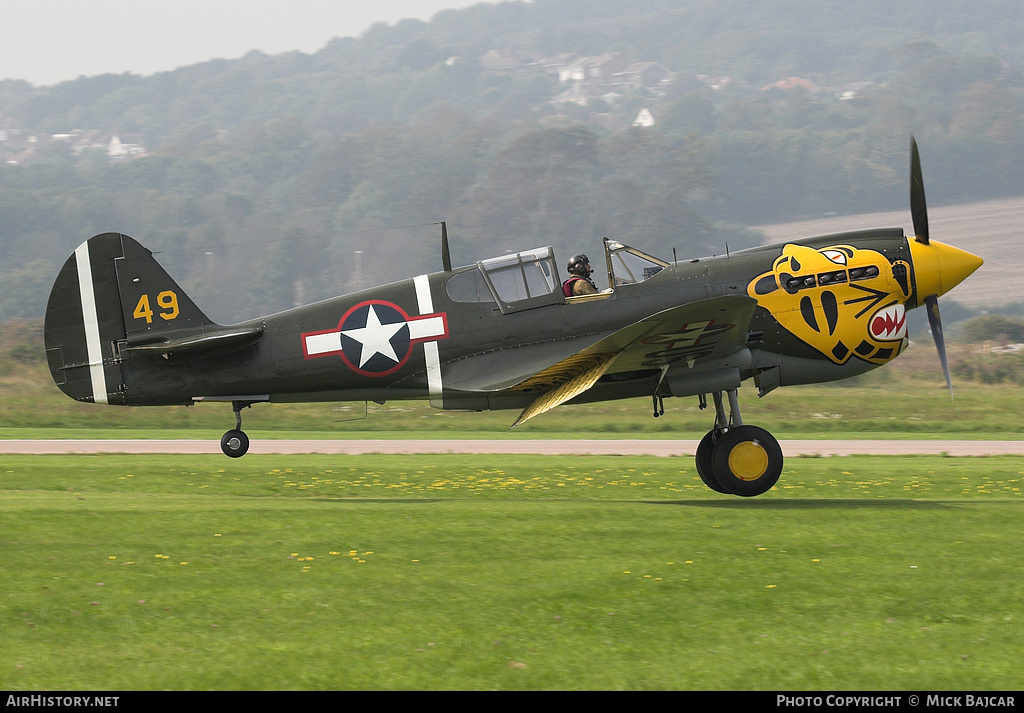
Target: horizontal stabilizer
x=193 y=342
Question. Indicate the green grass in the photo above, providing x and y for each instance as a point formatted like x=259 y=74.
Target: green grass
x=507 y=572
x=511 y=572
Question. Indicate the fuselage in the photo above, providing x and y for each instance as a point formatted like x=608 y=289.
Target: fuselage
x=827 y=308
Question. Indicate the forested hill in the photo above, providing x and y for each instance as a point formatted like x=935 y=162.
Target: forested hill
x=664 y=123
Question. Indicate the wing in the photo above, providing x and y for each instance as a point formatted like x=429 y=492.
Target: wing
x=507 y=368
x=693 y=337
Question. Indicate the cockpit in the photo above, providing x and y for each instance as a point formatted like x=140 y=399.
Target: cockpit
x=628 y=266
x=530 y=279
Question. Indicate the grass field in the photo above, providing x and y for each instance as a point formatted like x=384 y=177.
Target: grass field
x=507 y=572
x=154 y=572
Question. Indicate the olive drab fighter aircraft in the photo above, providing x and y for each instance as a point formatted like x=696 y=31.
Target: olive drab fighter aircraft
x=501 y=334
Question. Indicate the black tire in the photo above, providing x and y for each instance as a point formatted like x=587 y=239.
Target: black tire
x=234 y=443
x=747 y=461
x=705 y=463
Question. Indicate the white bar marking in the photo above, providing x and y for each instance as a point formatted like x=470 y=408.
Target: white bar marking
x=326 y=343
x=426 y=328
x=92 y=324
x=425 y=303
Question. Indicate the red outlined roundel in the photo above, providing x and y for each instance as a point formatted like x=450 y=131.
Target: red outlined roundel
x=375 y=338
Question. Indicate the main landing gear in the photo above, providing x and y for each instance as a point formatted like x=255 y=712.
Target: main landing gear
x=736 y=459
x=235 y=443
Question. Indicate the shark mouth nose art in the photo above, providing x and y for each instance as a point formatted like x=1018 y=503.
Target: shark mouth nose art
x=889 y=323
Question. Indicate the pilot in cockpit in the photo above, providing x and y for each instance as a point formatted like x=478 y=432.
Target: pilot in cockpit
x=579 y=282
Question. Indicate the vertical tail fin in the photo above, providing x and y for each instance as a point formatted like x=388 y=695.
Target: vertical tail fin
x=109 y=293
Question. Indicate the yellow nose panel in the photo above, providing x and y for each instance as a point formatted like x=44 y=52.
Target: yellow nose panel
x=841 y=300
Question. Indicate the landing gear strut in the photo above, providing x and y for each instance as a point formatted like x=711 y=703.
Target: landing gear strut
x=734 y=458
x=235 y=443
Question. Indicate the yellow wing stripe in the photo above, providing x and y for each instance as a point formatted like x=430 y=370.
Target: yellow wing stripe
x=598 y=365
x=557 y=374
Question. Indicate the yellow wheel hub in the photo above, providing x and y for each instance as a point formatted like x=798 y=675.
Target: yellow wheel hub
x=748 y=460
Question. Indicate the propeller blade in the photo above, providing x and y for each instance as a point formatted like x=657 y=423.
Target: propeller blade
x=932 y=305
x=918 y=208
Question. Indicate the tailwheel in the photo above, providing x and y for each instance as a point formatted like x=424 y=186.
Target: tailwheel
x=234 y=443
x=747 y=460
x=705 y=462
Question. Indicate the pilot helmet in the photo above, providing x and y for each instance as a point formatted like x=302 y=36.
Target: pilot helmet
x=579 y=265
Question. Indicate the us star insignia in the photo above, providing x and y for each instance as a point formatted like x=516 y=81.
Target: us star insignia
x=375 y=338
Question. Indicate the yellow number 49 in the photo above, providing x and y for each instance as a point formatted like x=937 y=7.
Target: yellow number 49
x=167 y=301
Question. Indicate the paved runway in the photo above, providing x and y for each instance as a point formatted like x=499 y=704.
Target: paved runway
x=542 y=447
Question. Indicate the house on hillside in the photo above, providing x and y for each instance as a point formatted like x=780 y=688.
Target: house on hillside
x=104 y=142
x=117 y=149
x=594 y=72
x=855 y=90
x=573 y=95
x=509 y=61
x=723 y=84
x=644 y=119
x=10 y=130
x=647 y=75
x=792 y=83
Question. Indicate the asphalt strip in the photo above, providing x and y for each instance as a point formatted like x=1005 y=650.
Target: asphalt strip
x=539 y=447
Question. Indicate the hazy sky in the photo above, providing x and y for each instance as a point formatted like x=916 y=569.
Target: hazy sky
x=50 y=41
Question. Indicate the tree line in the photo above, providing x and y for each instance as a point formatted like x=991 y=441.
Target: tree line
x=272 y=180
